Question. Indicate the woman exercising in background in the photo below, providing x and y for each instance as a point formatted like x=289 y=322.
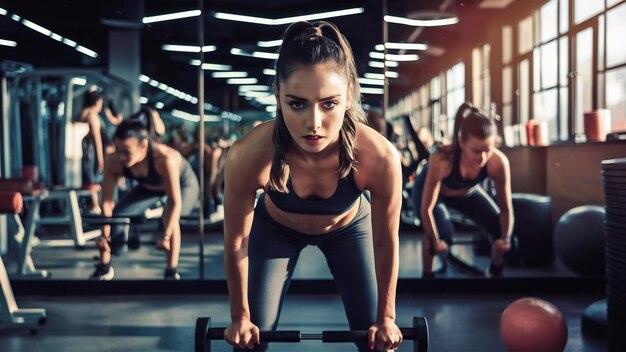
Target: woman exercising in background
x=159 y=171
x=452 y=178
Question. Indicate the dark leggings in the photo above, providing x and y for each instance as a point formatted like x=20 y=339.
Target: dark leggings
x=476 y=205
x=273 y=251
x=138 y=199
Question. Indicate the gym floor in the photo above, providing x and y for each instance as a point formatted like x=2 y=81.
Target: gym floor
x=166 y=323
x=79 y=322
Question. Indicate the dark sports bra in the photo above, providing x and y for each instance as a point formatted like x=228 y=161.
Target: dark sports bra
x=153 y=178
x=346 y=194
x=456 y=181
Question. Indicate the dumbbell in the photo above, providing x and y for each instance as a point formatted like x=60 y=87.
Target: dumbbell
x=133 y=242
x=205 y=334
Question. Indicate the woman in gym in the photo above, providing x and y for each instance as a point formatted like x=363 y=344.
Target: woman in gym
x=313 y=161
x=452 y=178
x=158 y=171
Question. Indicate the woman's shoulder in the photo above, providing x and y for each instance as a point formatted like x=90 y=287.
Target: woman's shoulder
x=498 y=162
x=371 y=143
x=255 y=145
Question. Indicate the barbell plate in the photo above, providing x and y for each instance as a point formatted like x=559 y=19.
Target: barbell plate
x=203 y=325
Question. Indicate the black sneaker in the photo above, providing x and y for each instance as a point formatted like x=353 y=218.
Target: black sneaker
x=171 y=274
x=104 y=272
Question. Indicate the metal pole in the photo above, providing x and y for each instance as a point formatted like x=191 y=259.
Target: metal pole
x=385 y=38
x=201 y=136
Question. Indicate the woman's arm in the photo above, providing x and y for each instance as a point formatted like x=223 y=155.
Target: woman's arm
x=430 y=194
x=386 y=194
x=380 y=172
x=111 y=113
x=94 y=128
x=241 y=184
x=109 y=183
x=169 y=167
x=500 y=172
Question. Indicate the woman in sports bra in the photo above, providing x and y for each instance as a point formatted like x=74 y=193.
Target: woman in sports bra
x=159 y=171
x=452 y=178
x=314 y=161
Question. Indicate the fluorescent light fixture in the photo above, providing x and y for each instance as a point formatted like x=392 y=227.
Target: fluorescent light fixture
x=390 y=74
x=69 y=42
x=216 y=67
x=8 y=43
x=16 y=18
x=394 y=57
x=287 y=20
x=267 y=100
x=241 y=81
x=171 y=16
x=162 y=86
x=257 y=54
x=154 y=83
x=36 y=27
x=367 y=90
x=194 y=100
x=370 y=81
x=188 y=48
x=86 y=51
x=380 y=64
x=269 y=71
x=257 y=87
x=422 y=23
x=253 y=94
x=3 y=11
x=144 y=78
x=210 y=66
x=401 y=46
x=143 y=100
x=78 y=81
x=229 y=74
x=159 y=105
x=271 y=108
x=404 y=57
x=194 y=118
x=229 y=115
x=270 y=43
x=56 y=37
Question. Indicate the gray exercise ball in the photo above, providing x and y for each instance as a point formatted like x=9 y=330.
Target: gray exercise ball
x=579 y=240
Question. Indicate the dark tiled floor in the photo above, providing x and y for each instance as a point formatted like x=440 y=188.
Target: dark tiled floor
x=143 y=323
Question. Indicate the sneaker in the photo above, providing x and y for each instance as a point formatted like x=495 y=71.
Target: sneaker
x=171 y=274
x=104 y=272
x=493 y=271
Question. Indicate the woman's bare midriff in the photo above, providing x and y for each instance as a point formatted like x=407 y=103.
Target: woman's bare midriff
x=311 y=224
x=448 y=192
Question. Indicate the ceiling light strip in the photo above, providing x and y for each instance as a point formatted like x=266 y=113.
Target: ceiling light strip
x=287 y=20
x=171 y=16
x=421 y=23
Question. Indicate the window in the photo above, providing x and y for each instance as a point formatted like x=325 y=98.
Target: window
x=455 y=94
x=585 y=9
x=615 y=75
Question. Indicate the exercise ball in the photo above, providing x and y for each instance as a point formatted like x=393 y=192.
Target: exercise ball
x=532 y=324
x=532 y=230
x=579 y=239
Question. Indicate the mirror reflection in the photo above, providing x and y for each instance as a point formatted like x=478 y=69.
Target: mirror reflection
x=488 y=114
